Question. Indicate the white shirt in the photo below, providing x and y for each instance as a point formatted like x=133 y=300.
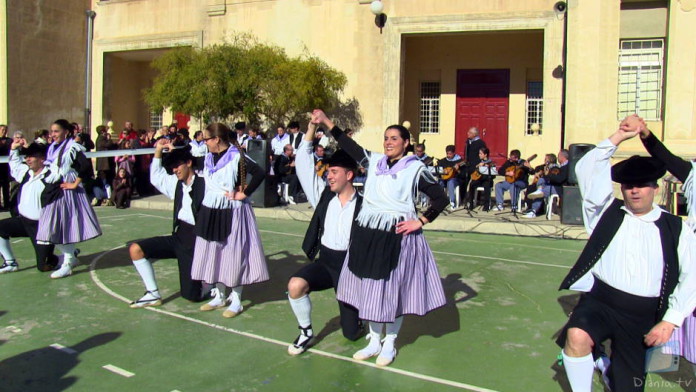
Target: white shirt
x=166 y=183
x=339 y=219
x=198 y=149
x=277 y=145
x=29 y=205
x=633 y=261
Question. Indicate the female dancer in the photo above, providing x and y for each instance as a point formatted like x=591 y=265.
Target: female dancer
x=67 y=217
x=228 y=249
x=390 y=270
x=684 y=171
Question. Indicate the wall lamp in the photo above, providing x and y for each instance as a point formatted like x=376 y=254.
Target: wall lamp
x=380 y=18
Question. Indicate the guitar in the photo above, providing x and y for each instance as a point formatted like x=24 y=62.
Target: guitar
x=514 y=173
x=450 y=171
x=476 y=175
x=320 y=168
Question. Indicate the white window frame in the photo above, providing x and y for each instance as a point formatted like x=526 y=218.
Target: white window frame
x=156 y=119
x=641 y=78
x=534 y=107
x=430 y=107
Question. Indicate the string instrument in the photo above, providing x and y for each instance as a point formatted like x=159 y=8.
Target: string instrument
x=514 y=173
x=476 y=175
x=547 y=169
x=320 y=168
x=450 y=171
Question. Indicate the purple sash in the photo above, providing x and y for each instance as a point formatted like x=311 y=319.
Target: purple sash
x=227 y=158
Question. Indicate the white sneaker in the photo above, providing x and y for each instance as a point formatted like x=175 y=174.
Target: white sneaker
x=149 y=299
x=530 y=214
x=537 y=194
x=372 y=349
x=217 y=302
x=6 y=267
x=388 y=352
x=62 y=272
x=291 y=200
x=499 y=207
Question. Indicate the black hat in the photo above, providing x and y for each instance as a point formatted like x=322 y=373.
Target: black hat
x=177 y=156
x=240 y=125
x=35 y=150
x=638 y=170
x=342 y=159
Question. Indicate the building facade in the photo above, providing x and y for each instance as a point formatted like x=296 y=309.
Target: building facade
x=535 y=75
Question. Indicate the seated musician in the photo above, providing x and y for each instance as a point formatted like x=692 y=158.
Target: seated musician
x=419 y=151
x=516 y=173
x=550 y=181
x=319 y=165
x=482 y=177
x=448 y=179
x=284 y=167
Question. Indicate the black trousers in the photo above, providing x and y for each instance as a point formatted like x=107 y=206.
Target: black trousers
x=607 y=313
x=323 y=275
x=179 y=246
x=20 y=226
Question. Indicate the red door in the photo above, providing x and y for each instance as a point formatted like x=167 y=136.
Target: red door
x=181 y=120
x=482 y=102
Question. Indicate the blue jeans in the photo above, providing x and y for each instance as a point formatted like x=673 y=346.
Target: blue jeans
x=515 y=188
x=451 y=185
x=547 y=190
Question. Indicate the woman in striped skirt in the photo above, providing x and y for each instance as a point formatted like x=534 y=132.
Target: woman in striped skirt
x=228 y=250
x=684 y=337
x=67 y=217
x=390 y=270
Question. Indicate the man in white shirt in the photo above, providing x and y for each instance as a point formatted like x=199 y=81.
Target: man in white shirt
x=336 y=204
x=295 y=134
x=636 y=271
x=240 y=129
x=25 y=224
x=187 y=190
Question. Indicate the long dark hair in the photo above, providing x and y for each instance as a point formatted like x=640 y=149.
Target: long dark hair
x=66 y=126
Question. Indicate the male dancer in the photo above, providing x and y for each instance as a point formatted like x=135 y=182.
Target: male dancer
x=26 y=222
x=187 y=190
x=336 y=207
x=636 y=271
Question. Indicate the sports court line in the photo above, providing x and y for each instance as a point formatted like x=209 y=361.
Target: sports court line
x=62 y=348
x=118 y=370
x=98 y=282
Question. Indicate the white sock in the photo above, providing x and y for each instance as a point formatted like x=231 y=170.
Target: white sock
x=68 y=251
x=375 y=344
x=579 y=371
x=302 y=307
x=392 y=331
x=147 y=273
x=236 y=299
x=6 y=250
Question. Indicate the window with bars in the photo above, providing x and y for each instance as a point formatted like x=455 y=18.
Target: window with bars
x=535 y=108
x=430 y=107
x=155 y=119
x=640 y=78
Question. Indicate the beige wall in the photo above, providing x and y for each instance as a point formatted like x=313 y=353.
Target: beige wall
x=123 y=99
x=428 y=57
x=46 y=62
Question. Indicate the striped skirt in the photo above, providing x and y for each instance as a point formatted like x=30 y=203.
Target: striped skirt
x=685 y=339
x=69 y=219
x=413 y=287
x=239 y=260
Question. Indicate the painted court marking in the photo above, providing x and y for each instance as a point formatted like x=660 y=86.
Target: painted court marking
x=118 y=370
x=62 y=348
x=98 y=282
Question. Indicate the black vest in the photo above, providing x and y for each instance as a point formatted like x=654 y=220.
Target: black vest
x=670 y=228
x=312 y=239
x=197 y=193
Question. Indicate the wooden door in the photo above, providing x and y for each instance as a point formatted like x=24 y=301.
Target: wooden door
x=482 y=102
x=181 y=120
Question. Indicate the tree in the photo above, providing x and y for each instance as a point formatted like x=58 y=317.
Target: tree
x=243 y=79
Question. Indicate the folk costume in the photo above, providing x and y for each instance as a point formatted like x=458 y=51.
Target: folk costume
x=228 y=248
x=328 y=236
x=187 y=202
x=387 y=275
x=25 y=220
x=684 y=337
x=67 y=216
x=634 y=271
